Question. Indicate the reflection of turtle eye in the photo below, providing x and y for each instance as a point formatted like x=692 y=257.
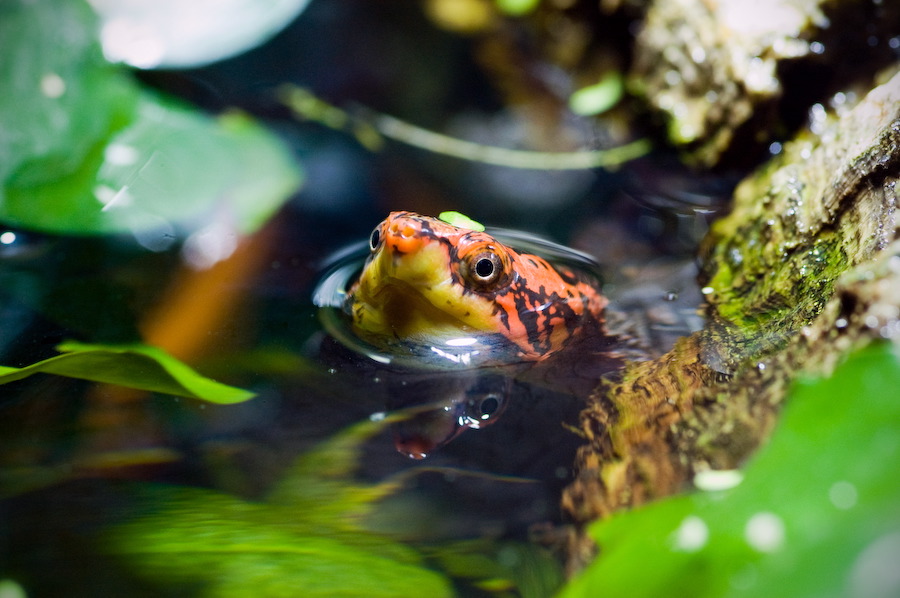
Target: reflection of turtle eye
x=488 y=406
x=481 y=410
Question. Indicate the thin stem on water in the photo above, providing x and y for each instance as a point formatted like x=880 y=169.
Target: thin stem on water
x=368 y=131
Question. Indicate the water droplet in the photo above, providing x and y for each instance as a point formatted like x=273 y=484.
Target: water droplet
x=691 y=535
x=119 y=154
x=840 y=323
x=744 y=579
x=671 y=296
x=765 y=532
x=817 y=117
x=53 y=86
x=760 y=76
x=707 y=290
x=775 y=148
x=722 y=479
x=817 y=47
x=211 y=244
x=332 y=370
x=875 y=573
x=843 y=495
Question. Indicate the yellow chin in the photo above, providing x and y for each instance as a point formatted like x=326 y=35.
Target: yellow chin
x=399 y=311
x=413 y=298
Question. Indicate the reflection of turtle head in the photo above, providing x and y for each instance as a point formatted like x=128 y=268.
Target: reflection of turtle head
x=459 y=401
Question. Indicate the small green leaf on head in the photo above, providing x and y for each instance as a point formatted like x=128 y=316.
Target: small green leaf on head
x=460 y=220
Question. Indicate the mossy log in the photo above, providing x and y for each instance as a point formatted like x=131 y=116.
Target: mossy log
x=805 y=268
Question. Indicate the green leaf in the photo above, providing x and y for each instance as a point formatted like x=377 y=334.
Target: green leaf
x=233 y=548
x=61 y=100
x=460 y=220
x=531 y=570
x=135 y=366
x=318 y=483
x=84 y=151
x=816 y=515
x=599 y=97
x=307 y=539
x=180 y=169
x=517 y=8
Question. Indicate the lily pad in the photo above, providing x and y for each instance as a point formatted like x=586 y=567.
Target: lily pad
x=83 y=150
x=136 y=366
x=816 y=515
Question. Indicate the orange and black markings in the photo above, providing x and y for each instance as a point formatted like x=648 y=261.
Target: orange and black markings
x=426 y=277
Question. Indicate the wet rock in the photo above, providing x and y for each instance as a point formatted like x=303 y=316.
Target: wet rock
x=718 y=70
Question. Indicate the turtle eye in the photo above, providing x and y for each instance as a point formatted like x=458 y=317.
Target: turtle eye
x=484 y=269
x=375 y=239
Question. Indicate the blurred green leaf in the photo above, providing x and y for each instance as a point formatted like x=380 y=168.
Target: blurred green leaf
x=311 y=544
x=61 y=100
x=134 y=366
x=175 y=167
x=529 y=569
x=84 y=151
x=228 y=547
x=317 y=484
x=311 y=536
x=517 y=8
x=599 y=97
x=818 y=512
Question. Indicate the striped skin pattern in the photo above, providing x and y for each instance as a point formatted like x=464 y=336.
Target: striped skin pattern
x=427 y=281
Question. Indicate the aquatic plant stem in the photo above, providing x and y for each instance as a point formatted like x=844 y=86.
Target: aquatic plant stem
x=369 y=127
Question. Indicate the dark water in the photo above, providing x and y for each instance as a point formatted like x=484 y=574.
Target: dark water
x=73 y=452
x=499 y=443
x=69 y=446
